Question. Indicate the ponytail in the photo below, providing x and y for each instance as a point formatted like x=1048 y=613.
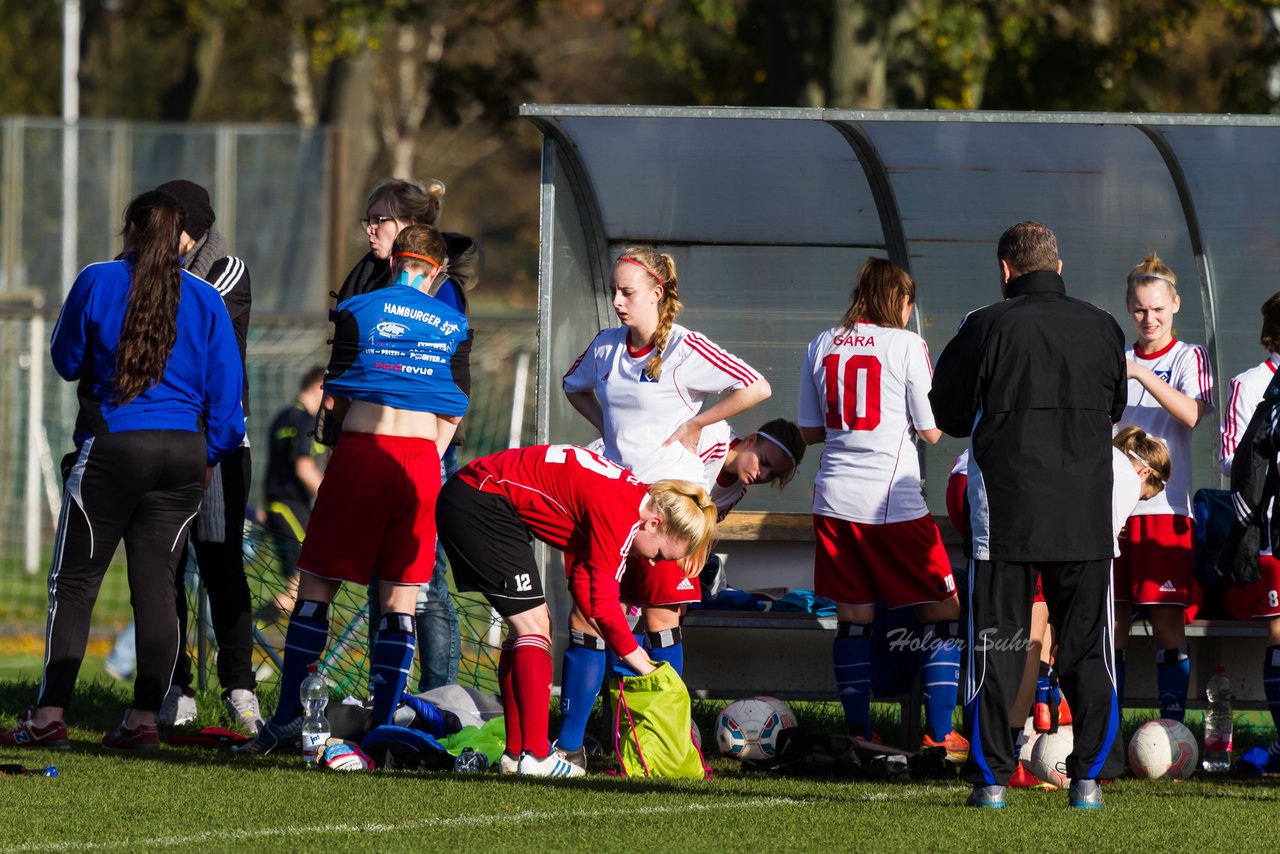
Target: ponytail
x=689 y=515
x=153 y=225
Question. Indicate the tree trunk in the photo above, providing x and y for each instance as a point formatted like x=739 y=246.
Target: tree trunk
x=859 y=51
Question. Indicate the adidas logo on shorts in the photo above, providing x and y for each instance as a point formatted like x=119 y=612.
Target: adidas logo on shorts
x=685 y=584
x=1168 y=587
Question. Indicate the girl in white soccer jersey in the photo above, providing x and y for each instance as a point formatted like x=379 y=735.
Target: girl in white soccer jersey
x=1261 y=599
x=1170 y=390
x=865 y=392
x=643 y=385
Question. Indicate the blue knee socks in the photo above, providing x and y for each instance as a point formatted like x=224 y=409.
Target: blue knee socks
x=1173 y=674
x=581 y=675
x=940 y=677
x=390 y=664
x=667 y=645
x=851 y=655
x=304 y=643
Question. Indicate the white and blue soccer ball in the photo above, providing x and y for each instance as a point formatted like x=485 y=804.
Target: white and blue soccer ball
x=748 y=729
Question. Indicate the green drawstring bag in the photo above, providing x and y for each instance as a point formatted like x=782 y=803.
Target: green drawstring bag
x=653 y=732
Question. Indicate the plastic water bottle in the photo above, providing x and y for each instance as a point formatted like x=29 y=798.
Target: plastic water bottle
x=22 y=771
x=315 y=726
x=1217 y=723
x=471 y=761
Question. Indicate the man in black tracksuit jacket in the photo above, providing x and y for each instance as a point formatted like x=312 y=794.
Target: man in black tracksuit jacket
x=1036 y=382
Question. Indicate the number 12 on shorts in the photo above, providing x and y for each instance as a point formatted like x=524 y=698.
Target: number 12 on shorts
x=853 y=391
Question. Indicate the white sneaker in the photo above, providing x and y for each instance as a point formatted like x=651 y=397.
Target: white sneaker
x=242 y=705
x=550 y=766
x=178 y=708
x=509 y=764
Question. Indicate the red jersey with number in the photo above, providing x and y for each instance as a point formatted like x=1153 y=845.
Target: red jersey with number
x=581 y=504
x=869 y=387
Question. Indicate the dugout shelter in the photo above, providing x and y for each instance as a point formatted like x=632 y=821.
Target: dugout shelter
x=770 y=213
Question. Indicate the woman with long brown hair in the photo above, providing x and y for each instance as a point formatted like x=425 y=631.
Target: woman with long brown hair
x=159 y=383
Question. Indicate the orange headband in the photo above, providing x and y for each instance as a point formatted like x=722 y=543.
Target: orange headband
x=646 y=269
x=434 y=264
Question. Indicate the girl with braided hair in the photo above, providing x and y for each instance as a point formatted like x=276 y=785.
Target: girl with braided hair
x=644 y=386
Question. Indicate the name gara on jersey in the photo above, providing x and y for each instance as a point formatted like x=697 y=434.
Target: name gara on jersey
x=854 y=341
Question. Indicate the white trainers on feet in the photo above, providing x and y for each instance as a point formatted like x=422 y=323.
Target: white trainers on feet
x=178 y=708
x=553 y=765
x=242 y=705
x=509 y=764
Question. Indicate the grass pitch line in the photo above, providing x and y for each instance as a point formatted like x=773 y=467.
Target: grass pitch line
x=223 y=836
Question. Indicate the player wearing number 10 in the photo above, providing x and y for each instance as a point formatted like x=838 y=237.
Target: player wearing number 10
x=865 y=392
x=594 y=511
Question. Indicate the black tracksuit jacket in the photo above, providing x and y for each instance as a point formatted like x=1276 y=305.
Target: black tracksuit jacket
x=1036 y=382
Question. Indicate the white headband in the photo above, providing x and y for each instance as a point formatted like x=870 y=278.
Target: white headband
x=784 y=448
x=1153 y=276
x=1133 y=456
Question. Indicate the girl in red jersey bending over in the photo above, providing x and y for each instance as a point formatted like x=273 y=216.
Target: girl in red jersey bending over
x=865 y=393
x=595 y=512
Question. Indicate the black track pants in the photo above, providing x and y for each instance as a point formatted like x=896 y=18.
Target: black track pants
x=222 y=571
x=996 y=615
x=143 y=486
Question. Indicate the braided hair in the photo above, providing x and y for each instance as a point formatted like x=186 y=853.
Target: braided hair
x=662 y=268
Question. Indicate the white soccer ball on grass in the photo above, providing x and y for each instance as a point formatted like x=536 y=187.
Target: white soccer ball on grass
x=748 y=729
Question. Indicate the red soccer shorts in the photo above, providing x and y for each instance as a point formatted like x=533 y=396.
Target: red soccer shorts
x=901 y=563
x=1156 y=561
x=664 y=583
x=375 y=513
x=1259 y=600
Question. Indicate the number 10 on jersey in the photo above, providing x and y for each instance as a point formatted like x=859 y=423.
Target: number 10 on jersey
x=853 y=391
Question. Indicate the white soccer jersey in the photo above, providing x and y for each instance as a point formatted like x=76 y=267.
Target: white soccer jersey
x=1126 y=493
x=1186 y=368
x=869 y=387
x=727 y=497
x=713 y=447
x=1243 y=397
x=640 y=414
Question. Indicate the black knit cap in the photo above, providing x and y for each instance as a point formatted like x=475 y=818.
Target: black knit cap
x=194 y=201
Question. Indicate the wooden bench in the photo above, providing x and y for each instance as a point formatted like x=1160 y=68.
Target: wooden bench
x=742 y=653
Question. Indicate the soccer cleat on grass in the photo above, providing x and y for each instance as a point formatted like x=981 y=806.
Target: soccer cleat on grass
x=271 y=736
x=178 y=708
x=140 y=737
x=26 y=734
x=574 y=757
x=509 y=763
x=552 y=765
x=986 y=797
x=242 y=705
x=956 y=745
x=1086 y=795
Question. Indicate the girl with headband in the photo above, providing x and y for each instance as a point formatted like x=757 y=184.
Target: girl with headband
x=1170 y=391
x=644 y=385
x=864 y=392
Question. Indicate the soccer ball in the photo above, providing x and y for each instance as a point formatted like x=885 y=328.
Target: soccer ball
x=1163 y=750
x=748 y=729
x=1048 y=762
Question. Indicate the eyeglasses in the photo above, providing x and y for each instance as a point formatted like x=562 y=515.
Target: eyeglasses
x=375 y=221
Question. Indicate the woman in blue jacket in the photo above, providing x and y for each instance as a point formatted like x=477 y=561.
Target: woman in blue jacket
x=159 y=381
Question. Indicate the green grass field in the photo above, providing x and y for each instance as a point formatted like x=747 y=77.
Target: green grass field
x=201 y=799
